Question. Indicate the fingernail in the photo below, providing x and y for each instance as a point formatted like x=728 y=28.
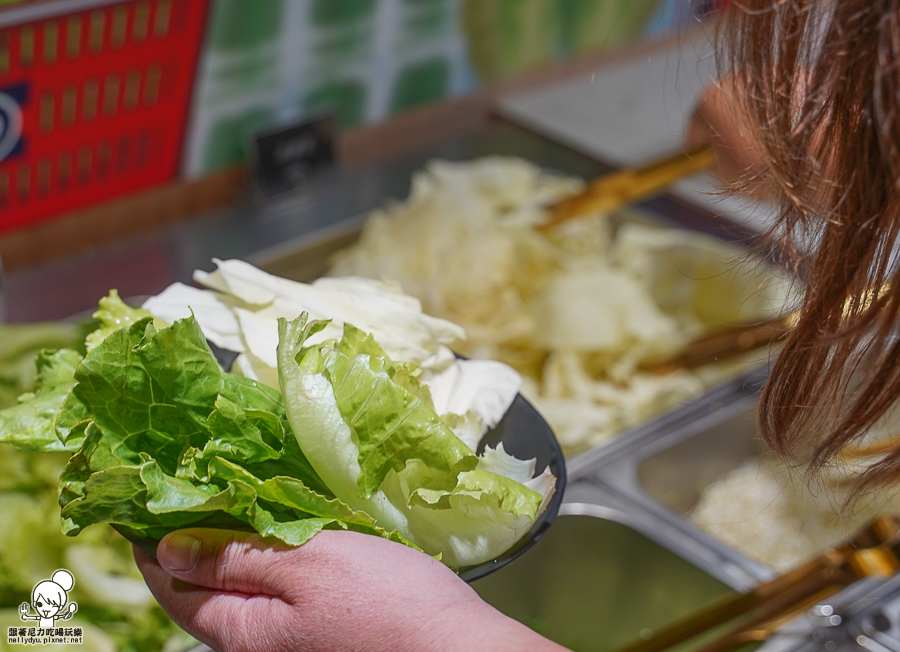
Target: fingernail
x=182 y=553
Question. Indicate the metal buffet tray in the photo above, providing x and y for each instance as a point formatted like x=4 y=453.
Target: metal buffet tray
x=608 y=573
x=660 y=471
x=604 y=574
x=663 y=468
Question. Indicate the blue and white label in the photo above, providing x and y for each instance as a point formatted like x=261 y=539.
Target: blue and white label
x=11 y=123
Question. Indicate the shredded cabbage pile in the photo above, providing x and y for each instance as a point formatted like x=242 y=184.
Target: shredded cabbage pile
x=576 y=313
x=769 y=510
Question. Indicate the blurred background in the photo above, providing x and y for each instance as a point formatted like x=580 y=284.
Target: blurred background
x=101 y=99
x=130 y=149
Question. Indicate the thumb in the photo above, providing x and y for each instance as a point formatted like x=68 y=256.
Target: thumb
x=213 y=583
x=226 y=561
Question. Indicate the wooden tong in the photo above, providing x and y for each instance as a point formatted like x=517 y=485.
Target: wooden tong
x=618 y=189
x=725 y=344
x=755 y=615
x=872 y=450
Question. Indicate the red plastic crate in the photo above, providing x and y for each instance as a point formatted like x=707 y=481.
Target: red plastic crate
x=94 y=102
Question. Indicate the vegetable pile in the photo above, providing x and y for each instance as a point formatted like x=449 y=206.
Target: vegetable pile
x=115 y=608
x=577 y=312
x=767 y=510
x=344 y=435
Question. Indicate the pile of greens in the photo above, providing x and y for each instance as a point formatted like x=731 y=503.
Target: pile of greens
x=20 y=343
x=162 y=438
x=166 y=439
x=115 y=608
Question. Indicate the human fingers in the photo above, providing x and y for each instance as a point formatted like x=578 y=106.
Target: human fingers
x=237 y=591
x=236 y=562
x=248 y=615
x=223 y=620
x=349 y=591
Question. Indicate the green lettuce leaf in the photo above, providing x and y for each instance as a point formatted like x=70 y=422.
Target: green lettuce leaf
x=113 y=314
x=371 y=434
x=169 y=440
x=30 y=425
x=390 y=423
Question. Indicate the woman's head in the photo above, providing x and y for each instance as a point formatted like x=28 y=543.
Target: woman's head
x=819 y=84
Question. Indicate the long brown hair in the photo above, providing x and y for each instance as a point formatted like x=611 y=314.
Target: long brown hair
x=819 y=81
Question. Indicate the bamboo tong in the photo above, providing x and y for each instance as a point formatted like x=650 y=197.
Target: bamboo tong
x=754 y=616
x=618 y=189
x=736 y=340
x=725 y=344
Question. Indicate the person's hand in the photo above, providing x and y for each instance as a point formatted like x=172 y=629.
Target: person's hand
x=718 y=121
x=339 y=591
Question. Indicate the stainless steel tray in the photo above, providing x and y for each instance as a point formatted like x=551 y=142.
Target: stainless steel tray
x=682 y=420
x=663 y=469
x=604 y=574
x=652 y=479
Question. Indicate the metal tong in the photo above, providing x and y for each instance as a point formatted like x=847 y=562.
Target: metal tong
x=755 y=615
x=618 y=189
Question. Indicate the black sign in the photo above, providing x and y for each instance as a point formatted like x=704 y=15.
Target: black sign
x=288 y=157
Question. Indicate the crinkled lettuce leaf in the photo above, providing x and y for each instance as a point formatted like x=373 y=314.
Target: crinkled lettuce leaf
x=169 y=440
x=113 y=314
x=383 y=450
x=31 y=425
x=383 y=408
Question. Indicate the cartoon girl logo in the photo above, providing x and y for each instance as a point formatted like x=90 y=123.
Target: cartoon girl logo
x=49 y=600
